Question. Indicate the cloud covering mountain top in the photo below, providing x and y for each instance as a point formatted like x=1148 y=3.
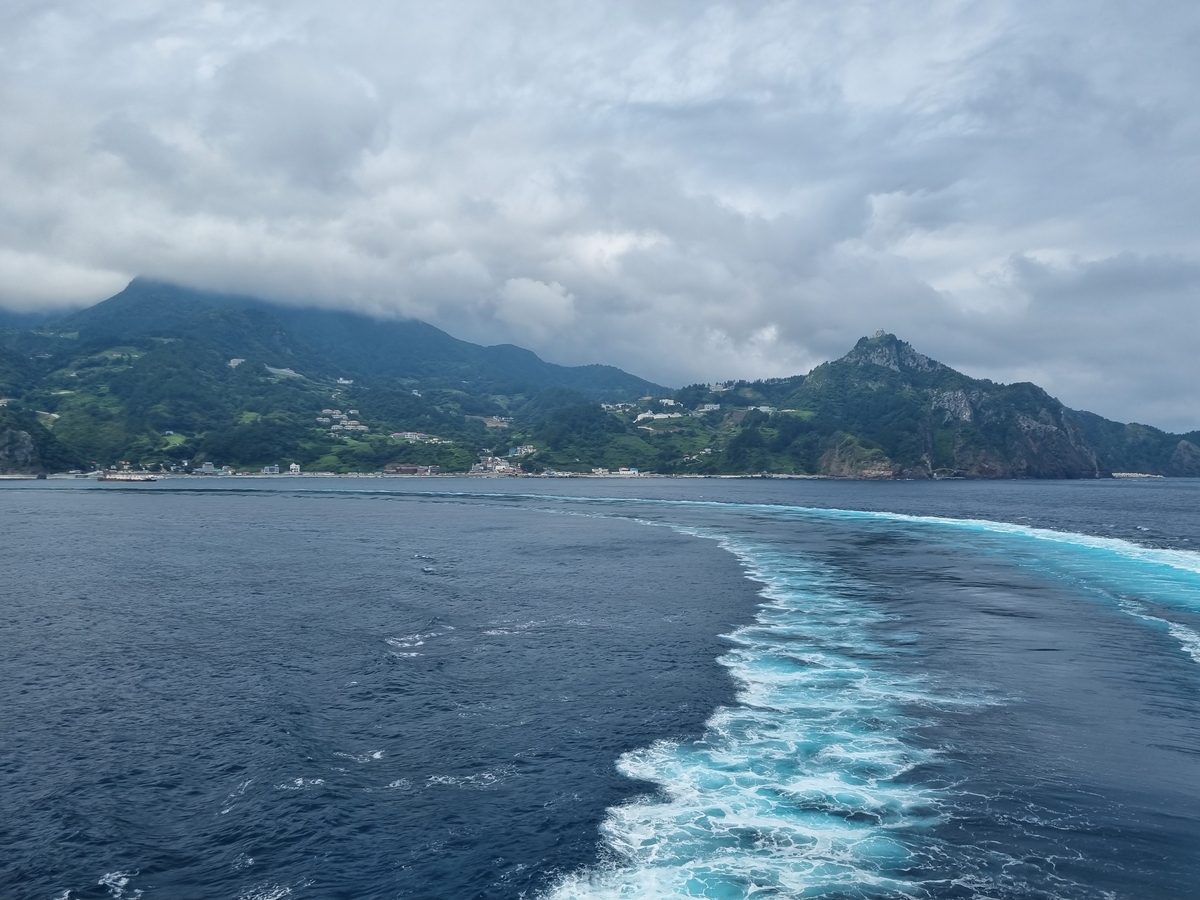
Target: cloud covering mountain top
x=690 y=191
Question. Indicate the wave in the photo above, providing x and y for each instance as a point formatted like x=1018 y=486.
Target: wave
x=803 y=786
x=1186 y=561
x=811 y=784
x=1116 y=568
x=1188 y=638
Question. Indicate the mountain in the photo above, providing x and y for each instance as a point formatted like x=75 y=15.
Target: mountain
x=898 y=413
x=884 y=410
x=1141 y=448
x=335 y=342
x=160 y=374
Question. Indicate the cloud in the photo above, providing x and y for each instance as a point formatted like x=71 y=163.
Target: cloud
x=692 y=191
x=535 y=306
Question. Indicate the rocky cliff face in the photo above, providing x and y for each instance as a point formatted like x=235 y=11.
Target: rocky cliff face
x=917 y=418
x=847 y=458
x=1185 y=461
x=18 y=453
x=1140 y=448
x=1038 y=441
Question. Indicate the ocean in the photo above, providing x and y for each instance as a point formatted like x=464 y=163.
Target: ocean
x=552 y=689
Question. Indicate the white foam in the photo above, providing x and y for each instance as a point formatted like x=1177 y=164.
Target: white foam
x=413 y=640
x=795 y=789
x=478 y=781
x=266 y=892
x=1188 y=638
x=233 y=795
x=1183 y=560
x=299 y=784
x=117 y=882
x=361 y=758
x=1169 y=576
x=506 y=629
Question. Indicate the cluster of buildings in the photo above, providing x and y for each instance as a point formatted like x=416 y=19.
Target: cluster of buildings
x=494 y=465
x=293 y=469
x=339 y=421
x=209 y=468
x=418 y=437
x=674 y=406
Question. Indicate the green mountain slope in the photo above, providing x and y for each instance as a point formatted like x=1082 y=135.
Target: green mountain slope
x=1141 y=448
x=159 y=375
x=902 y=413
x=338 y=343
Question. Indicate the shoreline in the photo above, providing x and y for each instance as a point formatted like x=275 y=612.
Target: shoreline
x=776 y=476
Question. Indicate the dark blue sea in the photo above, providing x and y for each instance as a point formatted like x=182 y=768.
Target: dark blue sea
x=295 y=687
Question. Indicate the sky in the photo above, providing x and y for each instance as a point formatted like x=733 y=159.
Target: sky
x=691 y=191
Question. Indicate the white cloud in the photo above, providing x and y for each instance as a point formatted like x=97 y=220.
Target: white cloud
x=31 y=281
x=534 y=306
x=690 y=190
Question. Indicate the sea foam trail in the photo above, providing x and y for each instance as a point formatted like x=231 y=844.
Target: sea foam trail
x=799 y=787
x=1114 y=568
x=1187 y=561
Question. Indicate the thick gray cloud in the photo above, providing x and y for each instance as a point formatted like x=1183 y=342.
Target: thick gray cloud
x=690 y=191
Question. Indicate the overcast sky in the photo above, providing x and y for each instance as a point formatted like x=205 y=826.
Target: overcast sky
x=691 y=191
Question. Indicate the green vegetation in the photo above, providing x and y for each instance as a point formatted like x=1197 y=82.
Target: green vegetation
x=160 y=375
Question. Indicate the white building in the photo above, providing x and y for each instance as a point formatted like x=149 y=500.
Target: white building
x=294 y=468
x=270 y=470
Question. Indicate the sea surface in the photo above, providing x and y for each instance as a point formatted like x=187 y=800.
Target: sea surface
x=294 y=687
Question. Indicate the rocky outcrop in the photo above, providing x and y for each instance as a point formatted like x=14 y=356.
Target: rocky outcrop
x=18 y=453
x=927 y=420
x=1185 y=461
x=955 y=405
x=979 y=462
x=1050 y=445
x=847 y=458
x=889 y=351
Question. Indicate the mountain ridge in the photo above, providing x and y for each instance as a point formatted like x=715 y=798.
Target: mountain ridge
x=159 y=374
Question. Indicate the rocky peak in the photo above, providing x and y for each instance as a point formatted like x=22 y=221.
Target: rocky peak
x=889 y=351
